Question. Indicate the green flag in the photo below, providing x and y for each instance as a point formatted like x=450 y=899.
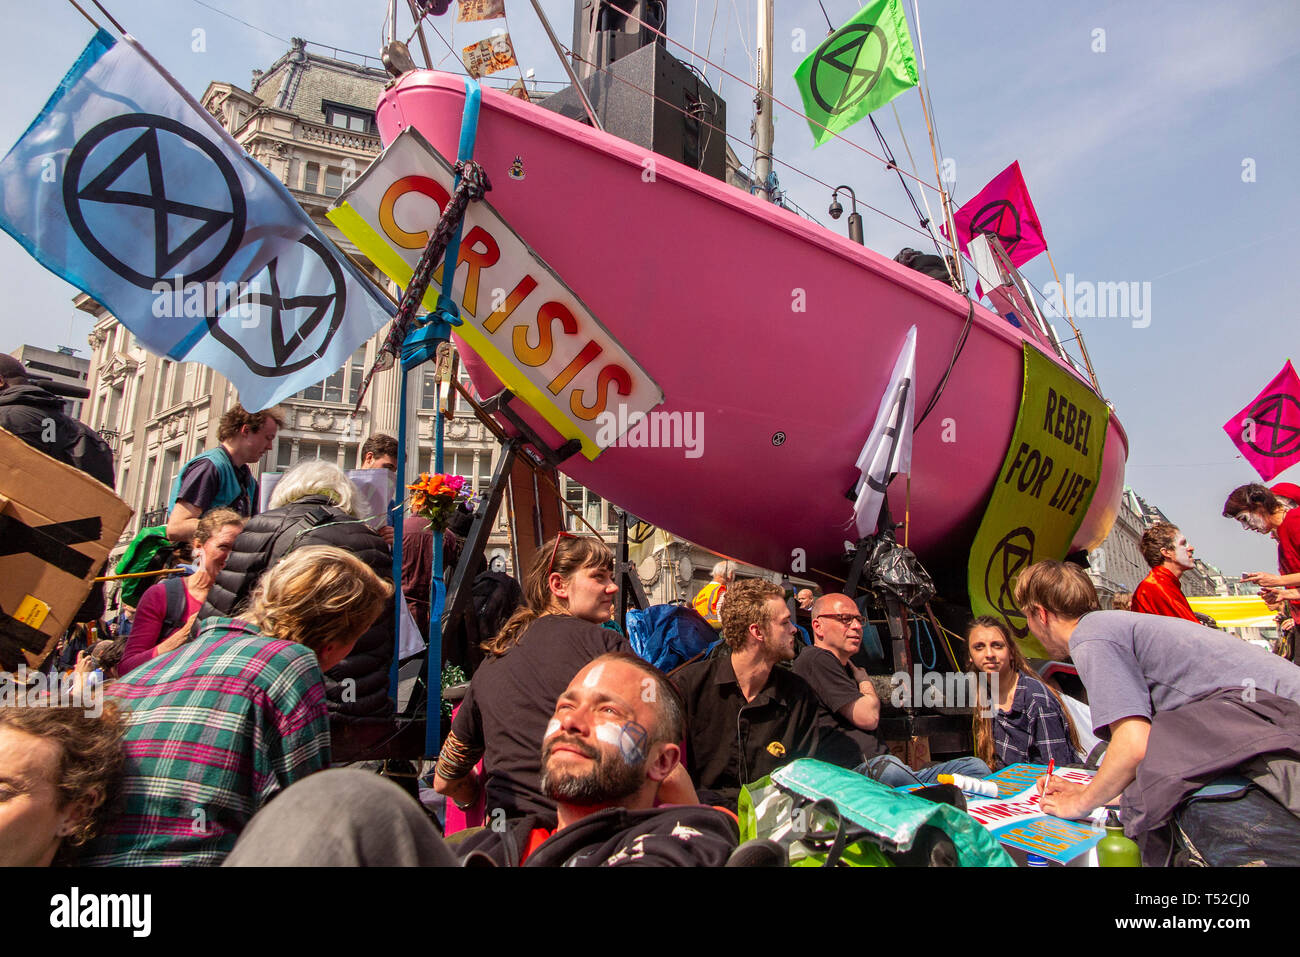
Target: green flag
x=858 y=68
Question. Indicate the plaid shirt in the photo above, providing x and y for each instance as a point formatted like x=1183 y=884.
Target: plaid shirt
x=1035 y=729
x=215 y=730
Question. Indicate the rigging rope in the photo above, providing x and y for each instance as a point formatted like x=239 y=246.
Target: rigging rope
x=472 y=186
x=956 y=354
x=732 y=136
x=773 y=99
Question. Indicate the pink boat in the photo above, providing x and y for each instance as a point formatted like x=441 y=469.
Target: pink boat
x=787 y=397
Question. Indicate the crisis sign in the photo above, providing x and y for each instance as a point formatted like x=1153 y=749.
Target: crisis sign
x=528 y=326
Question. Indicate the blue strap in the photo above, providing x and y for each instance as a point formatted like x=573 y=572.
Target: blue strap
x=447 y=315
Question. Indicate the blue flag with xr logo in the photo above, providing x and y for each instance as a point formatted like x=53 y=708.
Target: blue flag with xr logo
x=128 y=189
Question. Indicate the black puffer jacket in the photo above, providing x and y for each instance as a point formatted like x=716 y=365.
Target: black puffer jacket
x=312 y=520
x=24 y=411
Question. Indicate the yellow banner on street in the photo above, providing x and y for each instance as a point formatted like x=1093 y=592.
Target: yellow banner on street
x=1043 y=491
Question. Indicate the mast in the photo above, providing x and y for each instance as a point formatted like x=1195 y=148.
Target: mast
x=763 y=100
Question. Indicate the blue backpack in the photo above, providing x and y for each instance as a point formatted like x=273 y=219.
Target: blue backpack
x=668 y=635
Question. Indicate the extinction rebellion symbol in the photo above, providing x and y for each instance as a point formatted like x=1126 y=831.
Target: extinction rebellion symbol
x=1010 y=557
x=999 y=218
x=1278 y=414
x=287 y=337
x=179 y=229
x=836 y=62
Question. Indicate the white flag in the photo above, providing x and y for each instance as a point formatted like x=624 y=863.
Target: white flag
x=888 y=449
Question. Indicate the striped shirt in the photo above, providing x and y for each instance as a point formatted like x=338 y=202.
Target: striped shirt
x=215 y=729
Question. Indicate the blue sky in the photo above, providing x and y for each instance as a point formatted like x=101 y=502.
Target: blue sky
x=1133 y=155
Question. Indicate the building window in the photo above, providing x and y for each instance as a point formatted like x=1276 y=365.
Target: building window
x=160 y=387
x=115 y=407
x=598 y=513
x=145 y=490
x=333 y=181
x=429 y=390
x=346 y=380
x=310 y=177
x=348 y=118
x=327 y=451
x=171 y=464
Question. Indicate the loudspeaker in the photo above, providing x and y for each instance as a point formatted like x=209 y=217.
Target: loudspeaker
x=651 y=98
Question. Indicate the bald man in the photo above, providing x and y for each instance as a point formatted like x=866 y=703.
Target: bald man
x=847 y=692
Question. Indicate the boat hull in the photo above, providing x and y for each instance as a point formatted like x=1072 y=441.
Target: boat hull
x=776 y=336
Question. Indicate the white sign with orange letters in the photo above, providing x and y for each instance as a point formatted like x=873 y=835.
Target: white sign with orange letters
x=528 y=326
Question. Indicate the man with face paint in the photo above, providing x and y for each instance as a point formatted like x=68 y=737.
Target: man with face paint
x=1166 y=550
x=614 y=737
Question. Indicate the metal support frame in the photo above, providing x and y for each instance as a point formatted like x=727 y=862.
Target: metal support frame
x=456 y=606
x=626 y=577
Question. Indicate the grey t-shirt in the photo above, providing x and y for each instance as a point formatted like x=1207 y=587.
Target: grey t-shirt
x=1135 y=665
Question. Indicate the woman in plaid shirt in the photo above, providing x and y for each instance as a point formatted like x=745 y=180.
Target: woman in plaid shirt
x=1029 y=722
x=221 y=725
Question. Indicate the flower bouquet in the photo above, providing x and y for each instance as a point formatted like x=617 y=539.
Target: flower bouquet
x=436 y=497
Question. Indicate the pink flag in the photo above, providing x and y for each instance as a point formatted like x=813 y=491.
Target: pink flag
x=1004 y=209
x=1267 y=432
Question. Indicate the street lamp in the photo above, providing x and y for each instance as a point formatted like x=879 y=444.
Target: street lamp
x=855 y=218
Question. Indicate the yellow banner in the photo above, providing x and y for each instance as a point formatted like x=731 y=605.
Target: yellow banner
x=1043 y=491
x=1235 y=611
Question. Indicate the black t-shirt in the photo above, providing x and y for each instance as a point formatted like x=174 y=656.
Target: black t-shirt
x=668 y=836
x=201 y=482
x=834 y=685
x=731 y=741
x=513 y=696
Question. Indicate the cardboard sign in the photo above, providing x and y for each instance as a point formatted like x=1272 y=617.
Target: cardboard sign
x=57 y=526
x=1043 y=491
x=535 y=333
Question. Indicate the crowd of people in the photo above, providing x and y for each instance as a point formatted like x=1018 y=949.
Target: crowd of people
x=214 y=742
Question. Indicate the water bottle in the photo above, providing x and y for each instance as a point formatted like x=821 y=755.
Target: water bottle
x=1116 y=850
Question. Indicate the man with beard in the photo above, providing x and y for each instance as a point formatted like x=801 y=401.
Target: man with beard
x=748 y=716
x=614 y=736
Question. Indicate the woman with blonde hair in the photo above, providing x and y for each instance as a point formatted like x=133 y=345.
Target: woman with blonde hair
x=569 y=594
x=1023 y=719
x=223 y=724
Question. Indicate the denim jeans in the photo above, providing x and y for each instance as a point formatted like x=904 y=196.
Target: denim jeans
x=887 y=769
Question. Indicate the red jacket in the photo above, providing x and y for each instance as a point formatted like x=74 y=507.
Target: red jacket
x=1159 y=594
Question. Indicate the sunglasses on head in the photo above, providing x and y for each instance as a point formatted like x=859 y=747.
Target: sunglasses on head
x=551 y=564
